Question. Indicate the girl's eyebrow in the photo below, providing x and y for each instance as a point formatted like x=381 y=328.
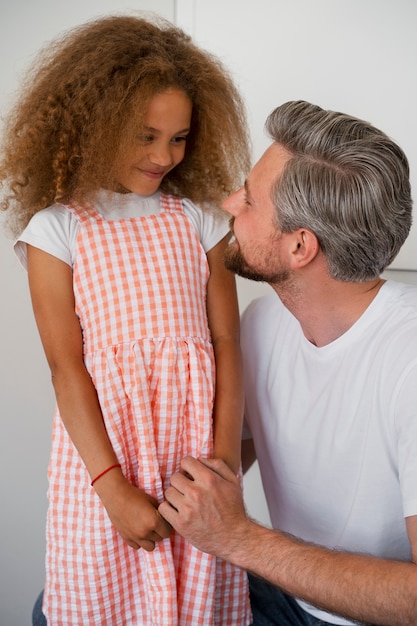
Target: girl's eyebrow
x=156 y=130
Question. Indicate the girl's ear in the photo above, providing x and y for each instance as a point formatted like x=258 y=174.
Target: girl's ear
x=305 y=248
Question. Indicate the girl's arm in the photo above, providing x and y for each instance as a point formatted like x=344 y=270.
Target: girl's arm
x=223 y=317
x=132 y=512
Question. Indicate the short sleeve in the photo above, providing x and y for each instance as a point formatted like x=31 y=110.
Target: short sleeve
x=210 y=226
x=53 y=230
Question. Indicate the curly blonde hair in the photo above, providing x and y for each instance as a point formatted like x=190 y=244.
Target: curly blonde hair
x=79 y=100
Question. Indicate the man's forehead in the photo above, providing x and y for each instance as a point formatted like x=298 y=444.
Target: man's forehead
x=269 y=167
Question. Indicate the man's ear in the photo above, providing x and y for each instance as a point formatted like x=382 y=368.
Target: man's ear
x=305 y=248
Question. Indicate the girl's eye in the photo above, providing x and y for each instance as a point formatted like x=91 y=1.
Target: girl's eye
x=179 y=139
x=145 y=138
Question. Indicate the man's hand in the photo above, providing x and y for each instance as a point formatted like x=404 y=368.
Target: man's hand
x=204 y=504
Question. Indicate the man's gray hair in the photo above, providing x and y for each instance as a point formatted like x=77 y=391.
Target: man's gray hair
x=347 y=182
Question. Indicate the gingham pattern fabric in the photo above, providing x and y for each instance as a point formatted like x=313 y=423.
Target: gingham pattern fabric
x=140 y=290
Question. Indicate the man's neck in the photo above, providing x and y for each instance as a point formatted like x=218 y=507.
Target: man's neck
x=327 y=308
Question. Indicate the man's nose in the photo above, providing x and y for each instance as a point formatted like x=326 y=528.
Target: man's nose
x=233 y=203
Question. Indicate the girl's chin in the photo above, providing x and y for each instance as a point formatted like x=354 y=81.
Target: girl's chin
x=140 y=190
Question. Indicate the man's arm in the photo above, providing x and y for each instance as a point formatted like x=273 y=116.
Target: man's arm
x=205 y=505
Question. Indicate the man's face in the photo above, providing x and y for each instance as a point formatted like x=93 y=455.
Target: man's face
x=256 y=251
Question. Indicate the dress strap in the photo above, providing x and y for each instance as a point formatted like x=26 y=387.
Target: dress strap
x=85 y=213
x=170 y=203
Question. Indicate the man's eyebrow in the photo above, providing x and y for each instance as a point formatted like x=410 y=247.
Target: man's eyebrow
x=247 y=190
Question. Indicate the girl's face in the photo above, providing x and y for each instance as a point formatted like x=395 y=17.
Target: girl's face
x=159 y=146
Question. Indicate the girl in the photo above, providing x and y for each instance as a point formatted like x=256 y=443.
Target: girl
x=124 y=131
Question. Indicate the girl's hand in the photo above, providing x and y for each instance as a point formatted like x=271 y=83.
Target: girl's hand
x=133 y=512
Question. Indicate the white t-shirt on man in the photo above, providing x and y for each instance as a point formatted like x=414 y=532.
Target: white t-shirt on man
x=335 y=428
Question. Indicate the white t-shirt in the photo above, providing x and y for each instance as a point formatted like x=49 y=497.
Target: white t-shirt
x=335 y=428
x=54 y=230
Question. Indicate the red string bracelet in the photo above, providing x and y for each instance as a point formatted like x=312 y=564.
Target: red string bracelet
x=105 y=472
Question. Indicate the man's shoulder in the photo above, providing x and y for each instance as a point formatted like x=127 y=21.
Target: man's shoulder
x=407 y=289
x=401 y=297
x=260 y=307
x=264 y=319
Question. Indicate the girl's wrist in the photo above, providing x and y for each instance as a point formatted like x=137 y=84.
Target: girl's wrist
x=104 y=472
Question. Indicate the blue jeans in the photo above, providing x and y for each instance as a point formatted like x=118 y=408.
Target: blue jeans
x=38 y=618
x=272 y=607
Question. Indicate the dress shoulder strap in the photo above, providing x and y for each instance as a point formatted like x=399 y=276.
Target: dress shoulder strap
x=84 y=213
x=171 y=203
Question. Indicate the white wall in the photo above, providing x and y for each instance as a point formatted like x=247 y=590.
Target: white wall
x=334 y=52
x=356 y=56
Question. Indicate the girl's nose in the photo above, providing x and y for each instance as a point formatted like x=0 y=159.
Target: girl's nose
x=234 y=202
x=160 y=155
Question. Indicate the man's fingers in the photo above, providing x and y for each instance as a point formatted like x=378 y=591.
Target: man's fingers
x=174 y=497
x=189 y=486
x=219 y=467
x=168 y=512
x=196 y=477
x=197 y=468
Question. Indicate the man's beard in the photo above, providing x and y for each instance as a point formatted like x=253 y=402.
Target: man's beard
x=235 y=262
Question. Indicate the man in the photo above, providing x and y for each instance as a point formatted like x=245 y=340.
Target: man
x=330 y=380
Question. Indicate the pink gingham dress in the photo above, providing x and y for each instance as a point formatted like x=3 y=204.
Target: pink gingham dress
x=140 y=290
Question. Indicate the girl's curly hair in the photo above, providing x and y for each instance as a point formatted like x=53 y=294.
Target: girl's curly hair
x=79 y=106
